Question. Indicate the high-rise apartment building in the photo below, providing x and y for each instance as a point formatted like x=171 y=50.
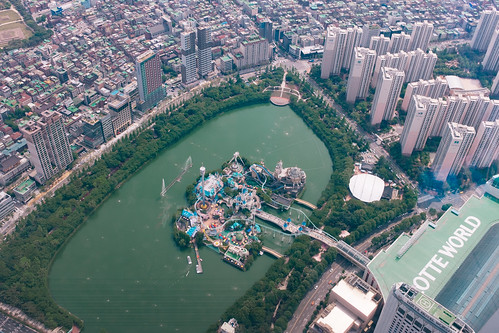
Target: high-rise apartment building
x=493 y=112
x=418 y=123
x=399 y=42
x=48 y=145
x=421 y=36
x=380 y=44
x=420 y=65
x=485 y=147
x=476 y=110
x=148 y=70
x=388 y=89
x=204 y=50
x=392 y=60
x=491 y=59
x=495 y=86
x=451 y=153
x=408 y=310
x=255 y=52
x=338 y=49
x=353 y=39
x=485 y=29
x=432 y=88
x=188 y=52
x=360 y=73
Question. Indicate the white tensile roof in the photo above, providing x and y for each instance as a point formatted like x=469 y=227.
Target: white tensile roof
x=366 y=187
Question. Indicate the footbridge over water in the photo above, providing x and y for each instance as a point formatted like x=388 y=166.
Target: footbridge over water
x=306 y=203
x=272 y=252
x=343 y=248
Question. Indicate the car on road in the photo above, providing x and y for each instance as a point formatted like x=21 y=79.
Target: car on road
x=316 y=287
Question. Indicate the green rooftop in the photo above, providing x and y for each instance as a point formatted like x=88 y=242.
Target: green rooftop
x=440 y=249
x=24 y=186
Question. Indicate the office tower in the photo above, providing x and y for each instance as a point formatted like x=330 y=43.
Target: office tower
x=485 y=147
x=338 y=49
x=188 y=51
x=418 y=123
x=380 y=44
x=255 y=51
x=432 y=88
x=491 y=59
x=392 y=60
x=420 y=65
x=390 y=83
x=369 y=31
x=121 y=113
x=204 y=50
x=421 y=36
x=451 y=153
x=485 y=29
x=360 y=74
x=48 y=145
x=148 y=71
x=408 y=310
x=265 y=30
x=399 y=42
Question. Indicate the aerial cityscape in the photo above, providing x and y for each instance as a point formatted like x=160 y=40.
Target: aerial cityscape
x=249 y=166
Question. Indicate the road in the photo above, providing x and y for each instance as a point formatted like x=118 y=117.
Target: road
x=305 y=310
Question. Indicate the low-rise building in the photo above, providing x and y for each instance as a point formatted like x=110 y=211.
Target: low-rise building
x=24 y=191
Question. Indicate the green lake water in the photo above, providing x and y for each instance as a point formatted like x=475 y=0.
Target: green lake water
x=121 y=272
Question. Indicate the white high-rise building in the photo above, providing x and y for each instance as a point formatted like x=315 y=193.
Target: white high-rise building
x=451 y=111
x=491 y=59
x=451 y=153
x=485 y=148
x=188 y=51
x=495 y=86
x=255 y=52
x=421 y=36
x=392 y=60
x=485 y=29
x=418 y=123
x=476 y=110
x=493 y=112
x=338 y=49
x=390 y=83
x=399 y=42
x=48 y=145
x=360 y=73
x=380 y=44
x=432 y=88
x=408 y=310
x=204 y=50
x=353 y=39
x=420 y=65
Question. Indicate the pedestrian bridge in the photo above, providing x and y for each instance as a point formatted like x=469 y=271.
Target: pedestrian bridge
x=306 y=203
x=272 y=252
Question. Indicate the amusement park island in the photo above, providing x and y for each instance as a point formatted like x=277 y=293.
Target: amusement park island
x=226 y=203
